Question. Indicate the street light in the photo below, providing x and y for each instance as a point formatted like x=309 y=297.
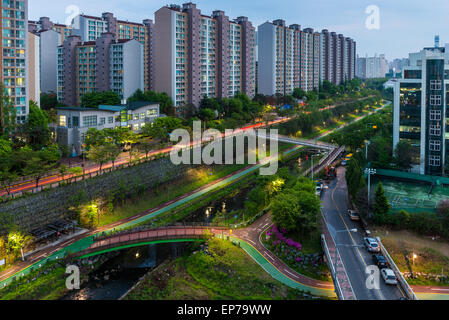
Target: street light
x=366 y=146
x=369 y=172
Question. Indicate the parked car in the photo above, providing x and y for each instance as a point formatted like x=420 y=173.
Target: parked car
x=371 y=245
x=389 y=276
x=380 y=261
x=344 y=163
x=318 y=191
x=353 y=215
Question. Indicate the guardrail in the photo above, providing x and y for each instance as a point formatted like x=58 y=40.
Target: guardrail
x=332 y=268
x=411 y=295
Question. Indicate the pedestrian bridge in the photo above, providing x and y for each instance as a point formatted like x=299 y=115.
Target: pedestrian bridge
x=302 y=142
x=142 y=237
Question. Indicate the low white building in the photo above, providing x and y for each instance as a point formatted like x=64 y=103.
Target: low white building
x=74 y=122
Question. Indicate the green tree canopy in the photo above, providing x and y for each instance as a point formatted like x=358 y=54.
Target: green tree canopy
x=95 y=99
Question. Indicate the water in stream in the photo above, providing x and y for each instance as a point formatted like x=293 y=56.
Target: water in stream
x=119 y=274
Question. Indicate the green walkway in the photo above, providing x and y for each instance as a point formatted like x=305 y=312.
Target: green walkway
x=88 y=241
x=276 y=274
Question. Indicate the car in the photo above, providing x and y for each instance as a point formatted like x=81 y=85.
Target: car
x=318 y=191
x=353 y=215
x=380 y=261
x=344 y=163
x=371 y=245
x=389 y=277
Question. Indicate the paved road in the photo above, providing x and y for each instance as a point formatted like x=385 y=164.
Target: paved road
x=95 y=169
x=355 y=259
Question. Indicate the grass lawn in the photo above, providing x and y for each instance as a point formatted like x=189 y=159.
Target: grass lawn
x=38 y=285
x=432 y=255
x=229 y=273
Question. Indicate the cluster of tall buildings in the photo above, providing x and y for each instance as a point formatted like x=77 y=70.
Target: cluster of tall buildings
x=372 y=67
x=184 y=53
x=291 y=57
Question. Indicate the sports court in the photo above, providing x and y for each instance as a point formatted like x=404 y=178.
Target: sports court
x=418 y=196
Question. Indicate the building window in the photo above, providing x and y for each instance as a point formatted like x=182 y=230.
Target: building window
x=102 y=121
x=435 y=161
x=136 y=116
x=435 y=115
x=90 y=121
x=111 y=120
x=63 y=121
x=435 y=131
x=435 y=84
x=76 y=122
x=435 y=145
x=136 y=127
x=435 y=100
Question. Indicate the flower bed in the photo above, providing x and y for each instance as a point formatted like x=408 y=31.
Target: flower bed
x=290 y=251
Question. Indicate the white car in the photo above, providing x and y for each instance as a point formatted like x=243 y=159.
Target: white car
x=389 y=276
x=318 y=191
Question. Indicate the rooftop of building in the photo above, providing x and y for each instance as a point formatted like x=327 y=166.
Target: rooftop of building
x=132 y=105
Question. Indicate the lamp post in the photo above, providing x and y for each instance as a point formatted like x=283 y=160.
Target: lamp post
x=366 y=147
x=369 y=172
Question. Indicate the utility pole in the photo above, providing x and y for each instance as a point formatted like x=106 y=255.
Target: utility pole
x=369 y=172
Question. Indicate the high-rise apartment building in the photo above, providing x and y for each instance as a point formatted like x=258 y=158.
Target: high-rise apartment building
x=372 y=67
x=34 y=68
x=45 y=24
x=199 y=55
x=292 y=58
x=51 y=36
x=90 y=28
x=105 y=64
x=421 y=104
x=14 y=55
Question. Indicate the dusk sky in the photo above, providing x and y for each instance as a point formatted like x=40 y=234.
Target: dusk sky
x=405 y=25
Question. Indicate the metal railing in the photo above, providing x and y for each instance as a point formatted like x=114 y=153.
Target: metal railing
x=408 y=290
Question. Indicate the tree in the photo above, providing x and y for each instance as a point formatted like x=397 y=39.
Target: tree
x=99 y=154
x=95 y=99
x=381 y=204
x=146 y=147
x=37 y=163
x=7 y=113
x=76 y=171
x=49 y=101
x=36 y=128
x=298 y=93
x=112 y=152
x=161 y=128
x=297 y=209
x=207 y=114
x=165 y=102
x=17 y=241
x=63 y=170
x=404 y=155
